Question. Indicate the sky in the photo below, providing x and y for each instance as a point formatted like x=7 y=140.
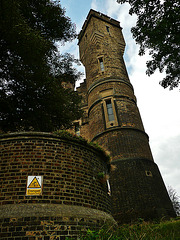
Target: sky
x=158 y=106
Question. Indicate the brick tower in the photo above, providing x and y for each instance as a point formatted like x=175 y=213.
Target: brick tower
x=113 y=120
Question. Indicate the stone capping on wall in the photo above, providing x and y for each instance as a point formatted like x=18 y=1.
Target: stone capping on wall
x=58 y=137
x=35 y=210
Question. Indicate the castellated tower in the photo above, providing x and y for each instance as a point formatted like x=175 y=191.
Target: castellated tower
x=113 y=120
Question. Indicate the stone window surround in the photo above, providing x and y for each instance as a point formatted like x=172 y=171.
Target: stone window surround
x=115 y=121
x=101 y=64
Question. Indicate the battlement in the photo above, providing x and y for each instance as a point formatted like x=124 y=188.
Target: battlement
x=103 y=17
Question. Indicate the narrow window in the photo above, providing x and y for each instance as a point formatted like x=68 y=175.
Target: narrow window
x=107 y=28
x=109 y=188
x=77 y=129
x=110 y=110
x=110 y=113
x=101 y=64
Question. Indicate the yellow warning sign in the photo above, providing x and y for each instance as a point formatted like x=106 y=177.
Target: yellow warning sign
x=34 y=185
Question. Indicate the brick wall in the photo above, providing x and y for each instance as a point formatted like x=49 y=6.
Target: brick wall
x=120 y=88
x=141 y=191
x=69 y=169
x=48 y=222
x=131 y=143
x=126 y=108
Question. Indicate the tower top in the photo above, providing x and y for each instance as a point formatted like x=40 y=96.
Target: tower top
x=105 y=18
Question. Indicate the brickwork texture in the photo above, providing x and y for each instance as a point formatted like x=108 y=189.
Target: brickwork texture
x=115 y=123
x=73 y=198
x=140 y=190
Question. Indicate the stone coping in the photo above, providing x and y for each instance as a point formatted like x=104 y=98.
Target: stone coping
x=27 y=134
x=52 y=210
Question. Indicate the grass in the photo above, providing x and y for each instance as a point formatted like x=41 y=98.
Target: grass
x=165 y=230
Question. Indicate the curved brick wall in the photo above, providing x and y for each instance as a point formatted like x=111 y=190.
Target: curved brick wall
x=120 y=89
x=151 y=201
x=72 y=194
x=132 y=143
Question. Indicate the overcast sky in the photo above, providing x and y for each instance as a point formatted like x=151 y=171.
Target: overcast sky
x=158 y=106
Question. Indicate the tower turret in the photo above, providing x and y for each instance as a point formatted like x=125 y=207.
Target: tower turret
x=115 y=123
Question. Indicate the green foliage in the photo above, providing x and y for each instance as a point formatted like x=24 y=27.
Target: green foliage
x=67 y=135
x=105 y=153
x=95 y=144
x=141 y=230
x=101 y=175
x=91 y=235
x=157 y=29
x=32 y=71
x=175 y=199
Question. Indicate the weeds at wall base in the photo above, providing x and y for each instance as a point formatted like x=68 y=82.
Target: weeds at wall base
x=168 y=230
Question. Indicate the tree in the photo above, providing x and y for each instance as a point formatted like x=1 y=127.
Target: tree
x=174 y=199
x=158 y=29
x=32 y=71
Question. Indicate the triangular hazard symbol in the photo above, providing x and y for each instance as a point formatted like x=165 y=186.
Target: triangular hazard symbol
x=34 y=183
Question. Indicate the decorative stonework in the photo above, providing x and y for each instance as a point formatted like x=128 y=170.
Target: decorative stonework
x=97 y=37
